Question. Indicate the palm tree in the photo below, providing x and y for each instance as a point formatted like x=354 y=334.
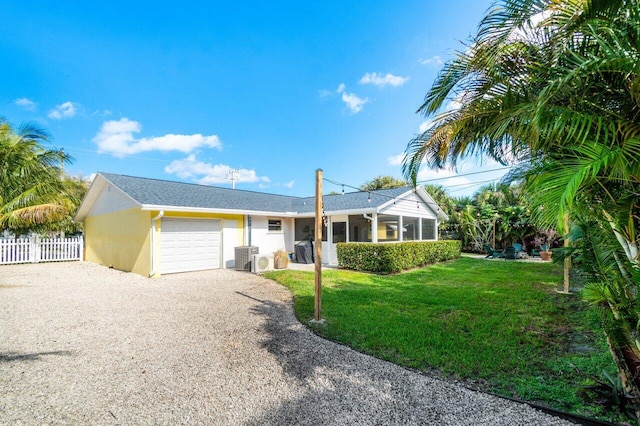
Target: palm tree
x=555 y=87
x=32 y=191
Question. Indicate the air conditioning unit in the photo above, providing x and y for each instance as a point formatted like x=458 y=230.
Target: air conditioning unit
x=261 y=263
x=244 y=255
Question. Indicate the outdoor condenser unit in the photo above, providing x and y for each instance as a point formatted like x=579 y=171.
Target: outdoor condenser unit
x=244 y=255
x=261 y=263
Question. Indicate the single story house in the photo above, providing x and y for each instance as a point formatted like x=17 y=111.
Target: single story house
x=153 y=227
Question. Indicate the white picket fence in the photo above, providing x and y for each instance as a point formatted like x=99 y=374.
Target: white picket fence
x=36 y=249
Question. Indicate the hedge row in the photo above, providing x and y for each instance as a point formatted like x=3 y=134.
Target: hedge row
x=387 y=258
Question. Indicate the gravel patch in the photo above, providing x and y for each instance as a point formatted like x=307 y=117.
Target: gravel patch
x=83 y=344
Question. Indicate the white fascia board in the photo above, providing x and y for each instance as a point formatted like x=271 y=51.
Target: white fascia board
x=340 y=212
x=425 y=197
x=178 y=209
x=94 y=191
x=90 y=197
x=440 y=214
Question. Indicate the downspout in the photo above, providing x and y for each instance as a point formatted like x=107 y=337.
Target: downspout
x=153 y=231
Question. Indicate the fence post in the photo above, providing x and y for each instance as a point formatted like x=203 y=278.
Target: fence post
x=37 y=249
x=81 y=255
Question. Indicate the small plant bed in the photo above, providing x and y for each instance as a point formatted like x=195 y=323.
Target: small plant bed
x=498 y=327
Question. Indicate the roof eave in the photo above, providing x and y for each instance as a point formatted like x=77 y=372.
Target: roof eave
x=182 y=209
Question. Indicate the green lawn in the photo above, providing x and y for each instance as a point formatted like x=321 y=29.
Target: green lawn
x=497 y=325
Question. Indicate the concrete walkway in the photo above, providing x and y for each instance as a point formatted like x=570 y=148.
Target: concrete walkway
x=83 y=344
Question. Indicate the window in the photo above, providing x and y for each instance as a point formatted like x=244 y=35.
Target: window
x=388 y=228
x=275 y=225
x=339 y=232
x=428 y=229
x=304 y=229
x=410 y=228
x=359 y=228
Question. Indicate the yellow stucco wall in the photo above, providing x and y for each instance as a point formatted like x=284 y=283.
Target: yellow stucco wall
x=119 y=240
x=123 y=239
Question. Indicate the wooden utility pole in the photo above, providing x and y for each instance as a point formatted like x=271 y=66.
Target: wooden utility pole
x=318 y=239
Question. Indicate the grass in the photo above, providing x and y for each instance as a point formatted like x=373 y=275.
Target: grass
x=498 y=326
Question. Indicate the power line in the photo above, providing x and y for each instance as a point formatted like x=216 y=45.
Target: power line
x=134 y=157
x=468 y=184
x=466 y=174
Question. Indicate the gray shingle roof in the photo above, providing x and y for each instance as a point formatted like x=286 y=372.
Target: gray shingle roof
x=352 y=200
x=178 y=194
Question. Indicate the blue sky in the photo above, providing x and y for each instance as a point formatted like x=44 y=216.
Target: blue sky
x=185 y=91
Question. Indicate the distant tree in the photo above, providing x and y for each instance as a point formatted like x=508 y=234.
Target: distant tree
x=439 y=195
x=33 y=193
x=383 y=182
x=75 y=188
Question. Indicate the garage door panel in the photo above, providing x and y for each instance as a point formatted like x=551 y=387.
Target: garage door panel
x=190 y=245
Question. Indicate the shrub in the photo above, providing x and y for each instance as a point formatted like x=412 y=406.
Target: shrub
x=387 y=258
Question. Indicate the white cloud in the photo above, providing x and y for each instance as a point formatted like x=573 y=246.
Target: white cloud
x=353 y=102
x=64 y=110
x=116 y=137
x=25 y=103
x=434 y=60
x=383 y=80
x=396 y=160
x=425 y=125
x=324 y=93
x=289 y=184
x=208 y=174
x=103 y=113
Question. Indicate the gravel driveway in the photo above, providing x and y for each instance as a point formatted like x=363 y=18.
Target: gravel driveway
x=83 y=344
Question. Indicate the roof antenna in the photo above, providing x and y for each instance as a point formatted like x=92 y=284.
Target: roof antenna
x=233 y=175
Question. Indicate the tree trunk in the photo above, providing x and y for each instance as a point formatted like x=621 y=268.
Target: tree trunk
x=628 y=365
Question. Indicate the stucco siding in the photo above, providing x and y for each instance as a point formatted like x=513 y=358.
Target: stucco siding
x=271 y=241
x=119 y=240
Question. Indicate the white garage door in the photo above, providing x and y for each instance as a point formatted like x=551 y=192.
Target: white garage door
x=190 y=245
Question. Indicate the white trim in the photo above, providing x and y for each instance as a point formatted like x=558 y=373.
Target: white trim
x=99 y=182
x=174 y=209
x=354 y=212
x=440 y=214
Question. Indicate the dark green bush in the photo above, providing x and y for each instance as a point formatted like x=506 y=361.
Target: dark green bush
x=387 y=258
